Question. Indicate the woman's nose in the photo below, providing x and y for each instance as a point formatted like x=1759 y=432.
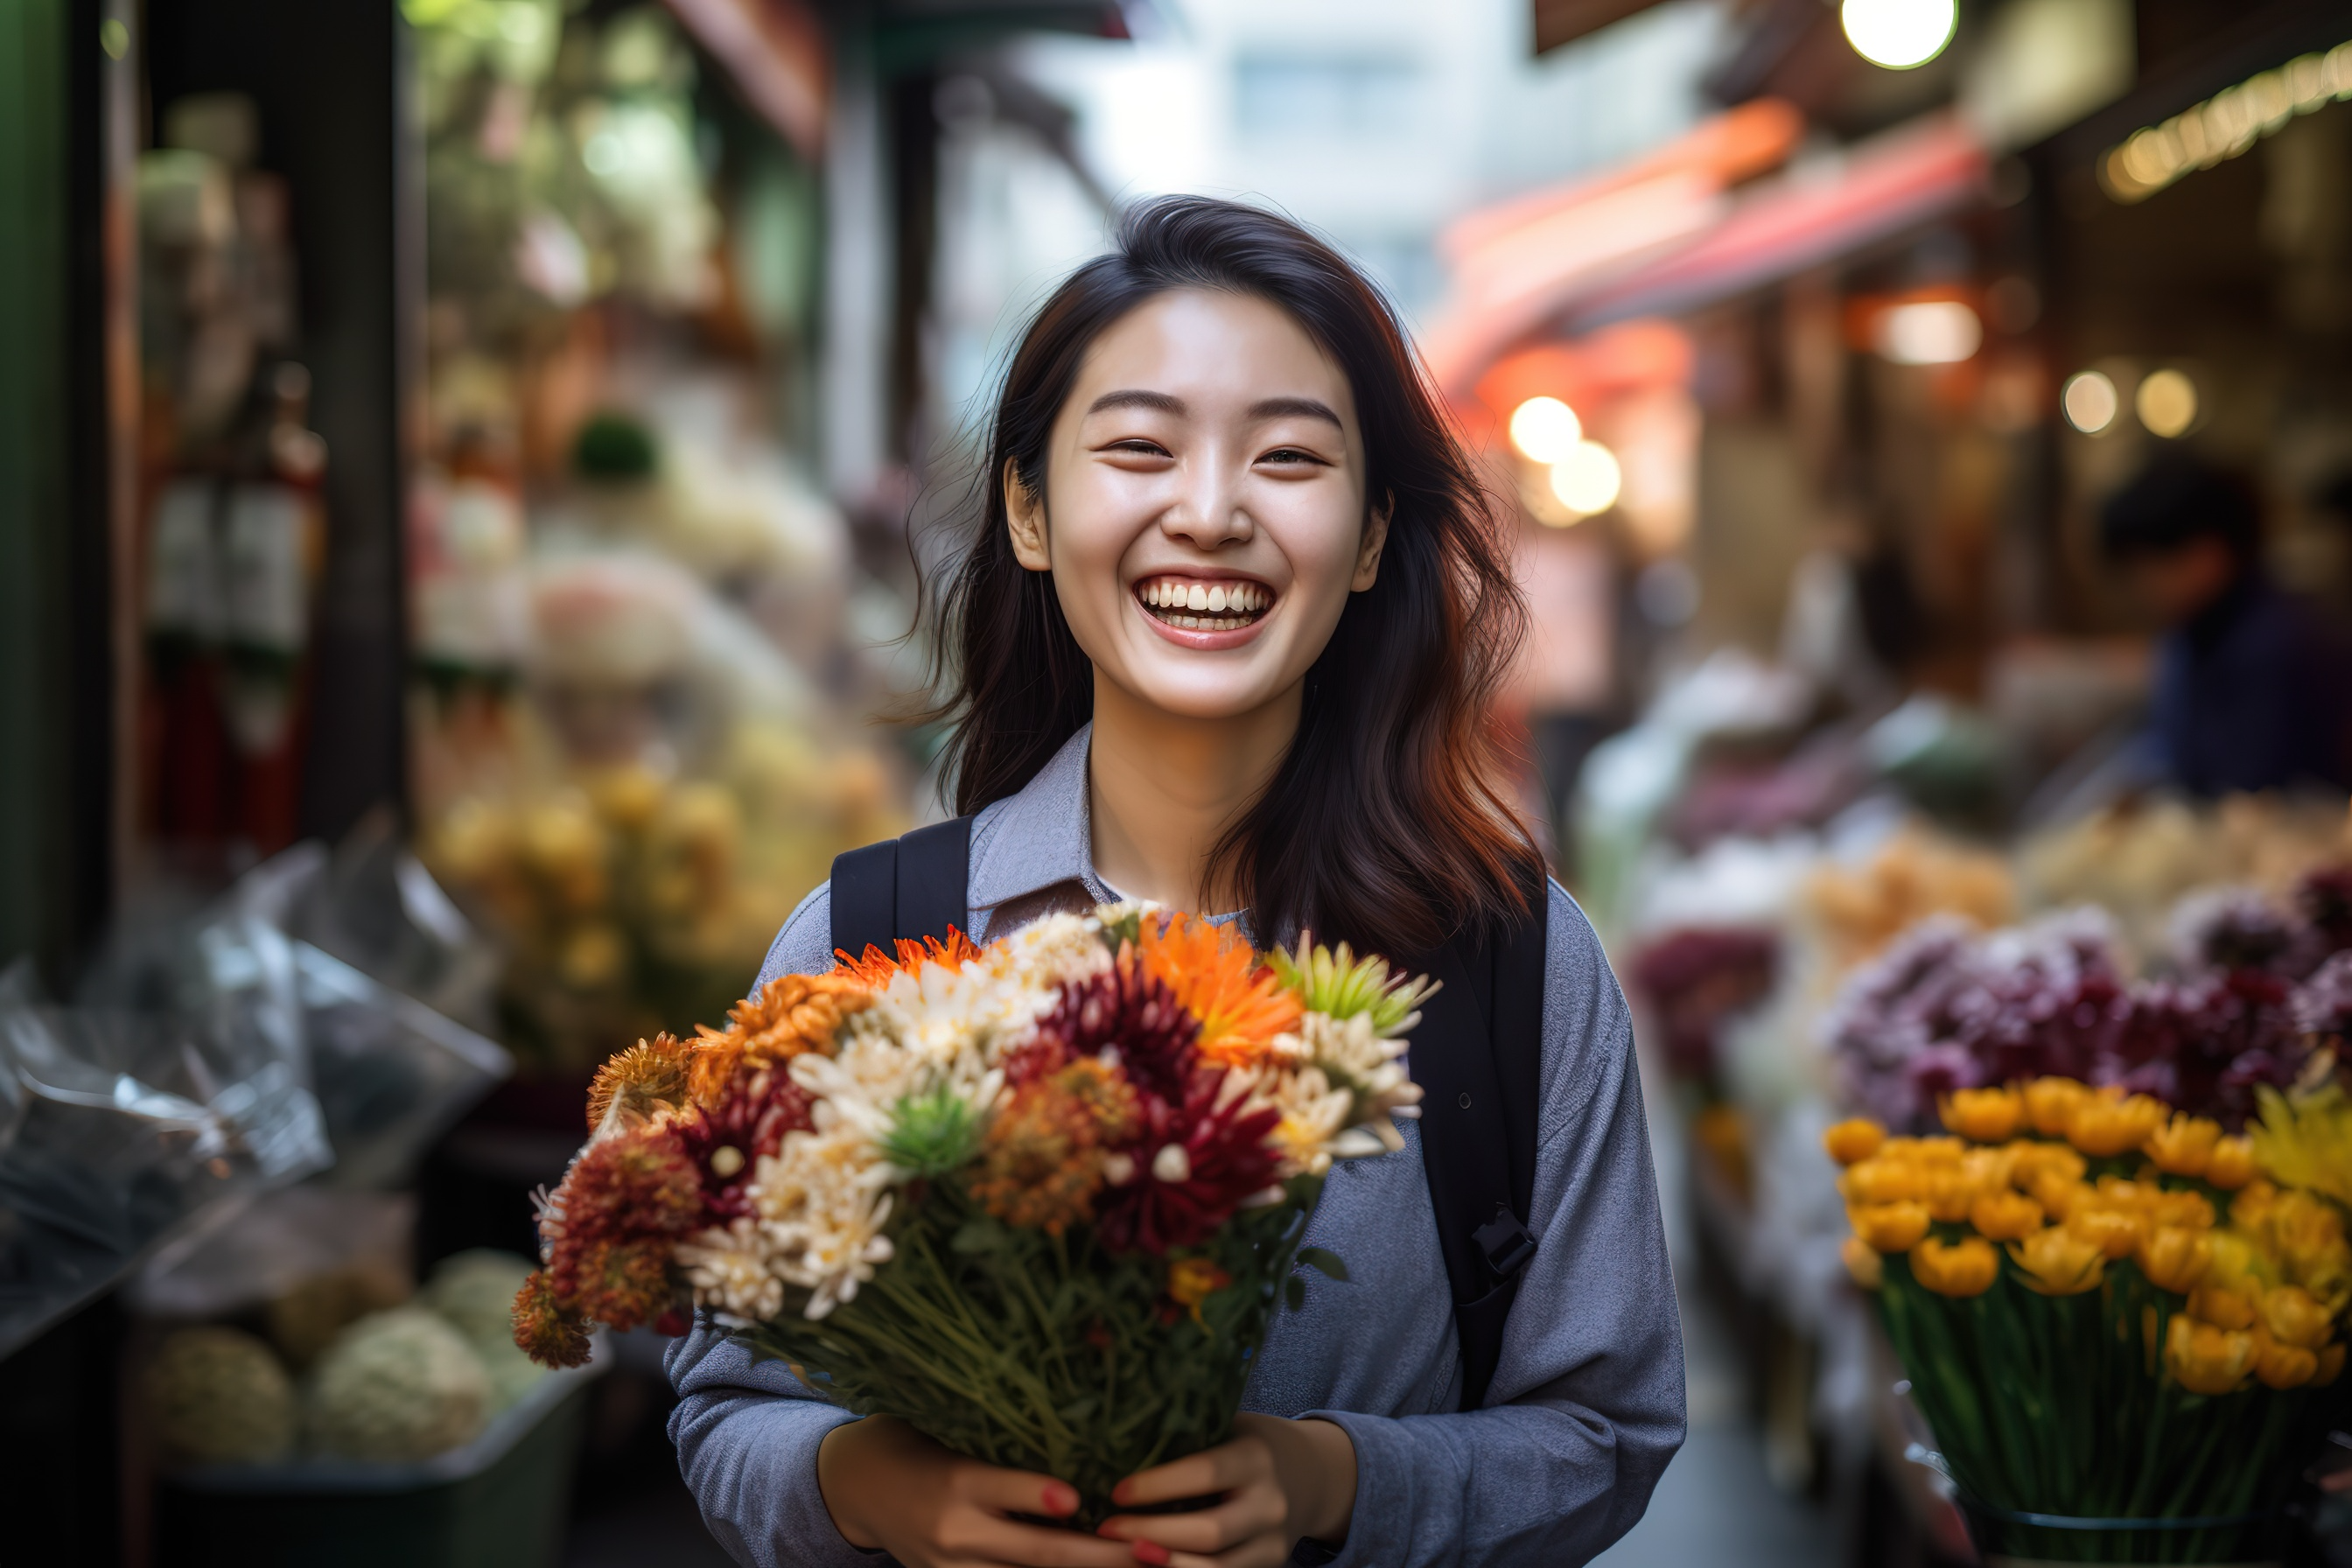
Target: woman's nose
x=1208 y=511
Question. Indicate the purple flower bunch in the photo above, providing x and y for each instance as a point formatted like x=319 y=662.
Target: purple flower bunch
x=2253 y=991
x=1694 y=980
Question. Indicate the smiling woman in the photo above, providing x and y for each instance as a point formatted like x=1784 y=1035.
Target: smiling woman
x=1224 y=630
x=1226 y=404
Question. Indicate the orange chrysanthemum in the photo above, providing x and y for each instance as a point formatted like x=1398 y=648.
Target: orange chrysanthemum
x=1041 y=1161
x=875 y=969
x=792 y=1013
x=649 y=1073
x=1217 y=978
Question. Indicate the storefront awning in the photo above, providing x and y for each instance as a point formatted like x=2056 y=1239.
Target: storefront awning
x=1663 y=235
x=1518 y=263
x=1806 y=217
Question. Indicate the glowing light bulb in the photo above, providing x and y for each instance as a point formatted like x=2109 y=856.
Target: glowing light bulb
x=1587 y=479
x=1929 y=331
x=1544 y=429
x=2166 y=403
x=2089 y=402
x=1899 y=34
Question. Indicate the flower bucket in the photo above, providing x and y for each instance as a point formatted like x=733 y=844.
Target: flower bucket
x=2008 y=1539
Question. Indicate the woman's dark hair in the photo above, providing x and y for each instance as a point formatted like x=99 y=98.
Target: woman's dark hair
x=1385 y=824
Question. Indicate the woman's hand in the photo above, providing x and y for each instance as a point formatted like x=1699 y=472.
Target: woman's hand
x=1280 y=1481
x=889 y=1487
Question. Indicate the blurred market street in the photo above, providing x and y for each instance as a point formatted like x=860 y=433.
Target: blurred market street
x=476 y=482
x=1718 y=1503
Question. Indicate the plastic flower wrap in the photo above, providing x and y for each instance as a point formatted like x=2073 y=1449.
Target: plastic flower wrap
x=2109 y=1308
x=1039 y=1198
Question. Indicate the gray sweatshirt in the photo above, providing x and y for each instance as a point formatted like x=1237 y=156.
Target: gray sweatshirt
x=1585 y=1408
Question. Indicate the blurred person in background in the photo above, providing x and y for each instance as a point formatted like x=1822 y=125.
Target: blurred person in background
x=2253 y=685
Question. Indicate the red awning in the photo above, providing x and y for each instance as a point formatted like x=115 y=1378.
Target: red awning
x=1805 y=217
x=1661 y=235
x=1517 y=263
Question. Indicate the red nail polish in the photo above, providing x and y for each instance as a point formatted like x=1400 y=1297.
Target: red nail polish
x=1149 y=1551
x=1060 y=1500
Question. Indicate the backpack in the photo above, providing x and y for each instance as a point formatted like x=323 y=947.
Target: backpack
x=1476 y=1054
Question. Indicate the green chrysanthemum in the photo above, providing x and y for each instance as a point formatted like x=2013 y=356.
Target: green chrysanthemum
x=1343 y=985
x=934 y=1134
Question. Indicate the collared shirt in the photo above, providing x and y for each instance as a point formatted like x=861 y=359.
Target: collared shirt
x=1585 y=1408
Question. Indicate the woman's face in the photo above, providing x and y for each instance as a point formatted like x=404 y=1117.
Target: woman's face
x=1203 y=513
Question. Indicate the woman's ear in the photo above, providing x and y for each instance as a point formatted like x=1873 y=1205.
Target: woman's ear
x=1024 y=520
x=1376 y=538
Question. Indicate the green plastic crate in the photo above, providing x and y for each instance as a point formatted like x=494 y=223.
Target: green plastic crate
x=500 y=1501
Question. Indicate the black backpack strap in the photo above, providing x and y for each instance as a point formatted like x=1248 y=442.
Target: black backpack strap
x=909 y=887
x=1477 y=1055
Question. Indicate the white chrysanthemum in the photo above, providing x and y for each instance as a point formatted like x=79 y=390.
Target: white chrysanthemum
x=863 y=1088
x=856 y=1087
x=943 y=1016
x=1314 y=1112
x=731 y=1271
x=1366 y=1064
x=822 y=1200
x=1047 y=954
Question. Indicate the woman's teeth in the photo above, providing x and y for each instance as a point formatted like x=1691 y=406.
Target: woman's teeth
x=1203 y=606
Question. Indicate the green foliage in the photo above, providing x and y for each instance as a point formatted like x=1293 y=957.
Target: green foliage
x=614 y=446
x=1344 y=986
x=1122 y=925
x=397 y=1387
x=475 y=1291
x=934 y=1134
x=1041 y=1352
x=1324 y=1261
x=217 y=1396
x=2056 y=1404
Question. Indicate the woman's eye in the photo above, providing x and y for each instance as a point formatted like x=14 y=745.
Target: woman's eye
x=1135 y=447
x=1290 y=456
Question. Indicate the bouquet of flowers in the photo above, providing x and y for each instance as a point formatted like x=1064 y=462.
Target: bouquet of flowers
x=2108 y=1310
x=1040 y=1198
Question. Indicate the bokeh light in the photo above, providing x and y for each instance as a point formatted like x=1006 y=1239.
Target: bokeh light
x=1899 y=34
x=1544 y=429
x=1929 y=331
x=2166 y=403
x=1587 y=479
x=2089 y=401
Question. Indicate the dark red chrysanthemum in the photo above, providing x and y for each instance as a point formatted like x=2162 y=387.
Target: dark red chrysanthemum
x=1224 y=1159
x=611 y=1225
x=544 y=1330
x=1126 y=1010
x=621 y=1282
x=752 y=1120
x=2325 y=898
x=640 y=1183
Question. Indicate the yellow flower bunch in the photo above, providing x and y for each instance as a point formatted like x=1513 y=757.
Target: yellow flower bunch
x=2262 y=1280
x=2307 y=1141
x=2106 y=1307
x=2300 y=1237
